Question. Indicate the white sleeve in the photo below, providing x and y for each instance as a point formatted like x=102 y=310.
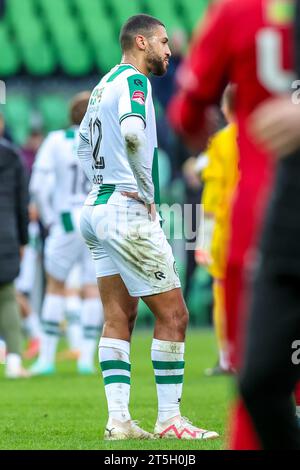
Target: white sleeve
x=84 y=152
x=133 y=133
x=42 y=179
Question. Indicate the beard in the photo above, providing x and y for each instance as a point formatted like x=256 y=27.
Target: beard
x=156 y=65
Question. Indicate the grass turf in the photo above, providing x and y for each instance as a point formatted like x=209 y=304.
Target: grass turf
x=68 y=411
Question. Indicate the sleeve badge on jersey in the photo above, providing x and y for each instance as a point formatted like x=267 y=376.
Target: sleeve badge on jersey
x=139 y=97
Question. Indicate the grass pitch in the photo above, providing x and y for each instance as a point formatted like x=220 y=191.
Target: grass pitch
x=68 y=411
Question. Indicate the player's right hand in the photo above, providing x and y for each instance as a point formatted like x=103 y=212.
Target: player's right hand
x=275 y=125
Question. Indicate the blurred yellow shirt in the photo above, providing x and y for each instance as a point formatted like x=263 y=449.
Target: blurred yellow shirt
x=220 y=178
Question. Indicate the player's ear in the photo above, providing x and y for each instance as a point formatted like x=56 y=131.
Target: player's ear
x=140 y=42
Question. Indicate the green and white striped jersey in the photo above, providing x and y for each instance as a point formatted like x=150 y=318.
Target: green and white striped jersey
x=58 y=183
x=123 y=92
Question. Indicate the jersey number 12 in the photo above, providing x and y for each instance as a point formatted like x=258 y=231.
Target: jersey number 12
x=95 y=141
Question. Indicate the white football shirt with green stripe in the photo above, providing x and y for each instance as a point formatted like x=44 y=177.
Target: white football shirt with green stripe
x=58 y=182
x=123 y=92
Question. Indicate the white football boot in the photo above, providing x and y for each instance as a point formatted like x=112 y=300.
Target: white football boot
x=118 y=430
x=14 y=368
x=181 y=428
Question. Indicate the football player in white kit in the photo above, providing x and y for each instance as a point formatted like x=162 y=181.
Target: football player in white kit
x=59 y=187
x=133 y=259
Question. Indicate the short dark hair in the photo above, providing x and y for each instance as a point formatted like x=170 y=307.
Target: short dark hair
x=138 y=24
x=78 y=107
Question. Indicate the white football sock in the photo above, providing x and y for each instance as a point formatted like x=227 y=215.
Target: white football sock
x=52 y=316
x=168 y=363
x=73 y=305
x=298 y=411
x=223 y=359
x=92 y=319
x=115 y=364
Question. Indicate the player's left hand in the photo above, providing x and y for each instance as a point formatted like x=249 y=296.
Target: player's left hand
x=152 y=211
x=276 y=126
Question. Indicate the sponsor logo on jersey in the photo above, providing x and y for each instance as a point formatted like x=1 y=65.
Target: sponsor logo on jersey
x=139 y=97
x=96 y=96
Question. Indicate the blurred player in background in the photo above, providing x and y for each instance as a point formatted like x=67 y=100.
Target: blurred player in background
x=133 y=259
x=272 y=356
x=59 y=187
x=31 y=146
x=13 y=238
x=219 y=171
x=248 y=43
x=73 y=308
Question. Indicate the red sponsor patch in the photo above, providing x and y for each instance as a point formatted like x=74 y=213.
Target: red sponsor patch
x=139 y=97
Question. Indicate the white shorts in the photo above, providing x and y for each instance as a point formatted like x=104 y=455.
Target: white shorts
x=63 y=250
x=124 y=240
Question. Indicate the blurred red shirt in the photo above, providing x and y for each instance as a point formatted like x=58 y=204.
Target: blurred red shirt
x=249 y=43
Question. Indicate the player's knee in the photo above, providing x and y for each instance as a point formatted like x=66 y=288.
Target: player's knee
x=116 y=329
x=90 y=291
x=54 y=286
x=177 y=318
